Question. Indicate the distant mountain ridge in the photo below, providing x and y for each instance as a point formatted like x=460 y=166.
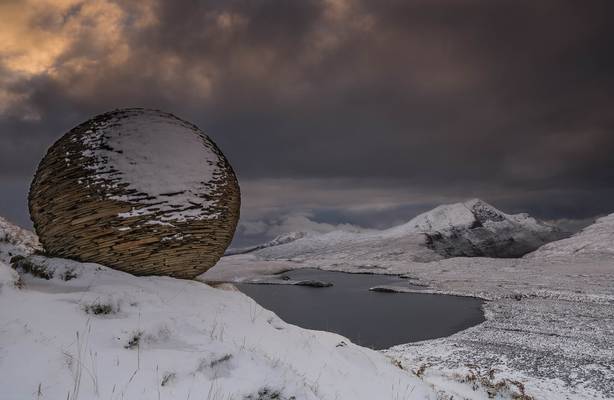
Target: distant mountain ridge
x=472 y=228
x=276 y=241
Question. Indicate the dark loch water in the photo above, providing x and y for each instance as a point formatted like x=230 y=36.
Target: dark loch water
x=373 y=319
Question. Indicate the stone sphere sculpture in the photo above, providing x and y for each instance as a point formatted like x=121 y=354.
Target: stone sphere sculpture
x=138 y=190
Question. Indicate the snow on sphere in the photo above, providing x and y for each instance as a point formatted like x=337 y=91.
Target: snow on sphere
x=138 y=190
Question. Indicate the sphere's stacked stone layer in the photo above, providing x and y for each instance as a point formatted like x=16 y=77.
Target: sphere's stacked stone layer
x=91 y=217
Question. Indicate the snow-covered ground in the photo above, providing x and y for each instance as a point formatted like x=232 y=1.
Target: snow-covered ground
x=549 y=325
x=549 y=330
x=71 y=330
x=16 y=241
x=596 y=240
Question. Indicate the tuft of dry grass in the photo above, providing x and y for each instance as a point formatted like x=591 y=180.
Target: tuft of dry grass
x=99 y=308
x=487 y=380
x=135 y=340
x=24 y=265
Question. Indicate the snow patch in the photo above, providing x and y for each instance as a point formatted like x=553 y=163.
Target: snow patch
x=162 y=163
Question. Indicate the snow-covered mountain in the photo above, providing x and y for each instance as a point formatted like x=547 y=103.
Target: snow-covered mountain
x=473 y=228
x=74 y=330
x=477 y=229
x=595 y=241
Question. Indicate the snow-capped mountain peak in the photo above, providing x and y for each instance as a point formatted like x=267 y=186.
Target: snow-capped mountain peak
x=476 y=228
x=469 y=214
x=445 y=216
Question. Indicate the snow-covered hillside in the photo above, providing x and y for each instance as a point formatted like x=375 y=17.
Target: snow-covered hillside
x=71 y=330
x=477 y=229
x=595 y=241
x=473 y=228
x=16 y=241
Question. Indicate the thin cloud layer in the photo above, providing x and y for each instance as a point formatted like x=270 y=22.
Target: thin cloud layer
x=372 y=110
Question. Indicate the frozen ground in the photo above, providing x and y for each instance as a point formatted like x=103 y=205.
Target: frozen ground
x=72 y=330
x=549 y=331
x=549 y=326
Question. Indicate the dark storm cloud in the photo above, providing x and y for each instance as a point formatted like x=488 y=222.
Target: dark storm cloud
x=401 y=104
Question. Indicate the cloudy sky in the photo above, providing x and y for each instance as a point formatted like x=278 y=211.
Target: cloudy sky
x=360 y=113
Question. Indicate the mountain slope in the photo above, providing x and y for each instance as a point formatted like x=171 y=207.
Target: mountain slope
x=595 y=241
x=477 y=229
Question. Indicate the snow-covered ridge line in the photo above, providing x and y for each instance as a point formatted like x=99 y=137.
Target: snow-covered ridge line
x=276 y=241
x=15 y=240
x=596 y=240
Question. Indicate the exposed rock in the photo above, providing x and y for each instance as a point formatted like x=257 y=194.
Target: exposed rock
x=477 y=229
x=313 y=283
